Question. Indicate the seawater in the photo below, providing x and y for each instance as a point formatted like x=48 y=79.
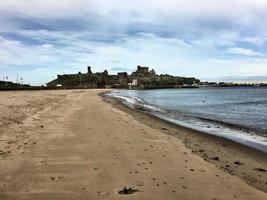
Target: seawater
x=238 y=114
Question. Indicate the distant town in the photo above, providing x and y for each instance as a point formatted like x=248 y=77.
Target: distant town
x=141 y=78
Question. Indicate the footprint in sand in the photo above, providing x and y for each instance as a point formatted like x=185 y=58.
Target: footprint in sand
x=146 y=149
x=55 y=178
x=102 y=193
x=140 y=183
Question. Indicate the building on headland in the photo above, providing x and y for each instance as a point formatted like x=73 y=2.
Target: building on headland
x=85 y=80
x=142 y=78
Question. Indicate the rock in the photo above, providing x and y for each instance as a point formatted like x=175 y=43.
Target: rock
x=215 y=158
x=164 y=129
x=127 y=191
x=260 y=169
x=238 y=163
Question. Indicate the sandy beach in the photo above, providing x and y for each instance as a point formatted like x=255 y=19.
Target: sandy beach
x=75 y=144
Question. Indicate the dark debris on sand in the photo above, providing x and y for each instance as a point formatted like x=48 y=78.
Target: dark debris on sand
x=260 y=169
x=215 y=158
x=127 y=191
x=238 y=163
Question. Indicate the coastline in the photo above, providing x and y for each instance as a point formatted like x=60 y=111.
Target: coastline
x=230 y=156
x=70 y=144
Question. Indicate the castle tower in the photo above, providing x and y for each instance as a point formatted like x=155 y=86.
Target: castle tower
x=89 y=70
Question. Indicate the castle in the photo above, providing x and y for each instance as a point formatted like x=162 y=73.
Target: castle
x=142 y=78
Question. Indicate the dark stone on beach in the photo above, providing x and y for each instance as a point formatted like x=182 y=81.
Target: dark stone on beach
x=127 y=191
x=260 y=169
x=164 y=129
x=215 y=158
x=238 y=163
x=201 y=150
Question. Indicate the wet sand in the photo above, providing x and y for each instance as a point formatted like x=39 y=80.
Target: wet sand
x=72 y=144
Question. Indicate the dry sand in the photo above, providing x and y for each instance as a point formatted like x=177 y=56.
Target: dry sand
x=73 y=145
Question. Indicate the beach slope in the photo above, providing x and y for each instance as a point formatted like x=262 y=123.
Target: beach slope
x=73 y=145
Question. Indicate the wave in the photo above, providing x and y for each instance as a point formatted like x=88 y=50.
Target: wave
x=243 y=128
x=139 y=104
x=226 y=130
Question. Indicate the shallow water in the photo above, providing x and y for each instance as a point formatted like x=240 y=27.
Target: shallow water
x=239 y=114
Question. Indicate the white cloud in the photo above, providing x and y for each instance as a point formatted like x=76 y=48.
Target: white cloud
x=176 y=37
x=258 y=41
x=47 y=46
x=243 y=52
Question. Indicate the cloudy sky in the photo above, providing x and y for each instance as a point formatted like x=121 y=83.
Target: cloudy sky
x=209 y=39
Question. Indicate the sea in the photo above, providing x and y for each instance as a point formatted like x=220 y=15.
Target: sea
x=235 y=113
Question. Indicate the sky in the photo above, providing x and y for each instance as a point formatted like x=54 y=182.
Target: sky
x=207 y=39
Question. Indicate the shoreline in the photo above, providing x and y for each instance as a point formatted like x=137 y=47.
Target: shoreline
x=248 y=163
x=73 y=144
